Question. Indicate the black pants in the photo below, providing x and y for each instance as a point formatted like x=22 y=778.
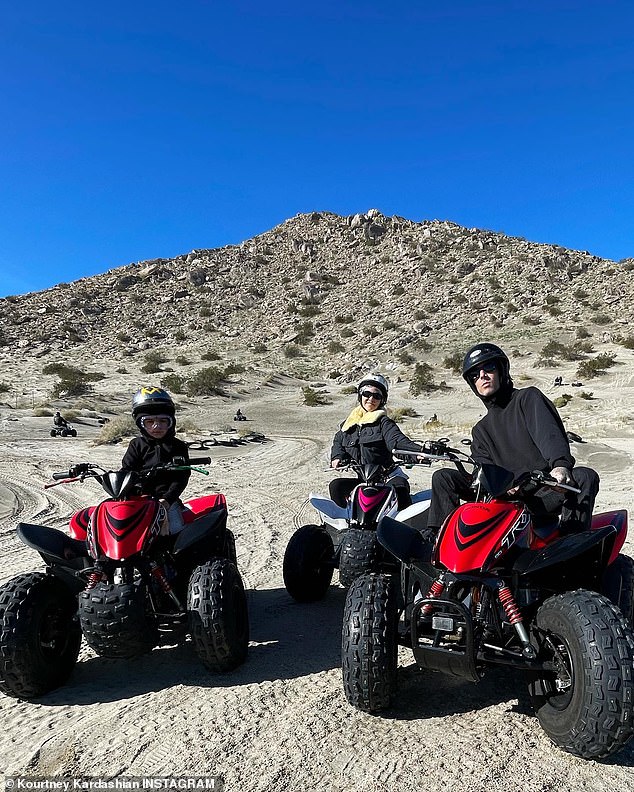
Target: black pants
x=449 y=487
x=341 y=489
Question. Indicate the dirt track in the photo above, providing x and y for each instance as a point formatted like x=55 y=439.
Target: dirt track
x=281 y=721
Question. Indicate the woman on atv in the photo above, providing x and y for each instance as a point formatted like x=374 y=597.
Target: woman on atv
x=154 y=413
x=369 y=436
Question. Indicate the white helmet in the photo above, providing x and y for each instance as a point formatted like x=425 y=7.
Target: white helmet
x=378 y=380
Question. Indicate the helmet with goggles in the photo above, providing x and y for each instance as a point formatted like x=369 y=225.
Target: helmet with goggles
x=150 y=401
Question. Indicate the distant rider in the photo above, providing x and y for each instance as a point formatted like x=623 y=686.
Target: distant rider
x=521 y=432
x=59 y=421
x=155 y=414
x=369 y=436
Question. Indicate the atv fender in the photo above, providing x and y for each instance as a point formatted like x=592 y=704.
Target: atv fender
x=64 y=555
x=402 y=541
x=589 y=551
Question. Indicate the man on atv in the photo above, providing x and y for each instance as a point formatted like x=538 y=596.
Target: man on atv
x=59 y=421
x=369 y=436
x=521 y=432
x=155 y=414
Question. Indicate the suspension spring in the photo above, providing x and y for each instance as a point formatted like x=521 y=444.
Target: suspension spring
x=435 y=590
x=157 y=573
x=94 y=578
x=510 y=606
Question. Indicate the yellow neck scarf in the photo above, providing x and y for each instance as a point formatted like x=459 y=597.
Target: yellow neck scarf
x=359 y=417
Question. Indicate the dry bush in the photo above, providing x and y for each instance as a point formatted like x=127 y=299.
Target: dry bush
x=116 y=430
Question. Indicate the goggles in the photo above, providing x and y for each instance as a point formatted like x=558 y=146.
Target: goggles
x=157 y=421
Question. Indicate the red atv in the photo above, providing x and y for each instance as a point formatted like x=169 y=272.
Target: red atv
x=501 y=587
x=123 y=584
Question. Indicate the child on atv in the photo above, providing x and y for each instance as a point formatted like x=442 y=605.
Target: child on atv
x=154 y=413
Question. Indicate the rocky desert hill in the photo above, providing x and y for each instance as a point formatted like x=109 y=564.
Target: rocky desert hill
x=320 y=296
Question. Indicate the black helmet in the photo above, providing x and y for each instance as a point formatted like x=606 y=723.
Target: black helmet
x=152 y=401
x=483 y=353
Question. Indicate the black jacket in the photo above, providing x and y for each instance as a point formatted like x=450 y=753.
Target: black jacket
x=521 y=432
x=143 y=453
x=371 y=443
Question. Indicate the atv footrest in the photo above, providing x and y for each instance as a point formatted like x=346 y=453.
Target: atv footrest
x=442 y=638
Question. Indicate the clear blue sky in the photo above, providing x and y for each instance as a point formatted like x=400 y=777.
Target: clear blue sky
x=134 y=130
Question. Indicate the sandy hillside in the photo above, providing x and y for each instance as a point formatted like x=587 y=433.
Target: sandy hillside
x=281 y=721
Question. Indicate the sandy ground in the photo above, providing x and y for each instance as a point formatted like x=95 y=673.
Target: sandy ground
x=281 y=721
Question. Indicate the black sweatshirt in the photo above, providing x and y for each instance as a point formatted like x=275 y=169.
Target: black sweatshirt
x=143 y=453
x=521 y=432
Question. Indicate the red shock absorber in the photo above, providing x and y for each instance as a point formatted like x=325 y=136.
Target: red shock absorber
x=435 y=590
x=510 y=606
x=163 y=582
x=94 y=578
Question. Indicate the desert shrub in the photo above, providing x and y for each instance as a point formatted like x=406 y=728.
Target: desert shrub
x=423 y=379
x=205 y=311
x=580 y=294
x=344 y=318
x=511 y=308
x=582 y=332
x=180 y=335
x=389 y=324
x=420 y=314
x=398 y=289
x=123 y=336
x=348 y=390
x=554 y=310
x=601 y=319
x=292 y=351
x=309 y=310
x=72 y=381
x=312 y=398
x=42 y=412
x=174 y=383
x=153 y=360
x=205 y=382
x=370 y=331
x=259 y=348
x=373 y=302
x=233 y=368
x=121 y=370
x=552 y=299
x=210 y=355
x=402 y=412
x=562 y=401
x=116 y=430
x=335 y=346
x=304 y=333
x=181 y=360
x=422 y=344
x=588 y=395
x=454 y=361
x=346 y=332
x=595 y=366
x=405 y=357
x=627 y=342
x=4 y=388
x=530 y=320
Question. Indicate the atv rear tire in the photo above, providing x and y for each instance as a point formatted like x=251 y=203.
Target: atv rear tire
x=115 y=620
x=359 y=555
x=369 y=643
x=39 y=635
x=586 y=703
x=218 y=615
x=308 y=563
x=230 y=547
x=618 y=586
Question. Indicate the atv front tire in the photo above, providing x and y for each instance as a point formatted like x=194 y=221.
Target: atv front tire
x=308 y=563
x=358 y=556
x=585 y=704
x=218 y=615
x=39 y=635
x=369 y=643
x=115 y=620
